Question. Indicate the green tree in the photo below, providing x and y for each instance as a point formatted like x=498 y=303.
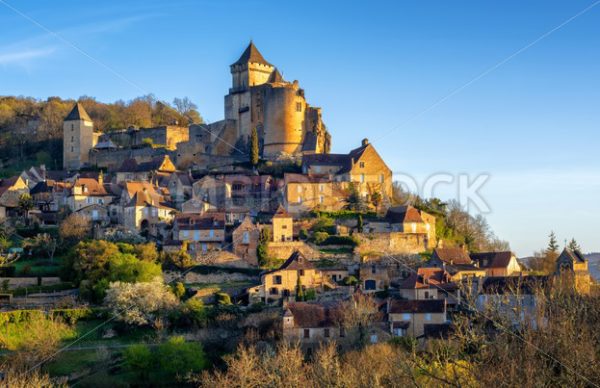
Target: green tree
x=299 y=290
x=552 y=244
x=359 y=223
x=354 y=201
x=196 y=310
x=25 y=205
x=254 y=147
x=573 y=245
x=178 y=358
x=138 y=358
x=179 y=290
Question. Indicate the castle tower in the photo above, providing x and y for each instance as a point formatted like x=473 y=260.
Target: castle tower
x=251 y=69
x=78 y=138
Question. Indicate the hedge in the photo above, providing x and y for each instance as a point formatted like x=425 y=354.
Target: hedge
x=340 y=240
x=8 y=271
x=68 y=315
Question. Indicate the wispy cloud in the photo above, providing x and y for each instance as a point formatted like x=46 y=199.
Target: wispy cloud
x=24 y=57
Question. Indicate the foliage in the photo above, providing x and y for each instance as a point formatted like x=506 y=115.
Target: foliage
x=341 y=240
x=354 y=201
x=223 y=298
x=41 y=243
x=93 y=265
x=74 y=228
x=178 y=358
x=320 y=237
x=196 y=310
x=552 y=243
x=15 y=376
x=573 y=245
x=359 y=313
x=179 y=290
x=139 y=303
x=350 y=281
x=261 y=249
x=323 y=224
x=138 y=358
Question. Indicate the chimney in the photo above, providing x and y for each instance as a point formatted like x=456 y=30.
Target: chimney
x=365 y=142
x=101 y=178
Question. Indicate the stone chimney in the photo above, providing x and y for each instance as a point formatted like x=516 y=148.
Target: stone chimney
x=365 y=142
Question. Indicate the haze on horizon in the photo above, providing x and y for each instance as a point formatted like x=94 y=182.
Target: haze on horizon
x=402 y=74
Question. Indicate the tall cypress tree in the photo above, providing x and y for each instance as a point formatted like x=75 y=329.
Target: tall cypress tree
x=552 y=244
x=254 y=147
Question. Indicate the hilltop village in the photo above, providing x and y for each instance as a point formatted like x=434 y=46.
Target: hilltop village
x=253 y=215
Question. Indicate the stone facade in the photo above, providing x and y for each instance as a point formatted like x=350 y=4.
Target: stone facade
x=78 y=138
x=245 y=241
x=392 y=243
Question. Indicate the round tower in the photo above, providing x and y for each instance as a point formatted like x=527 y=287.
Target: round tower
x=284 y=109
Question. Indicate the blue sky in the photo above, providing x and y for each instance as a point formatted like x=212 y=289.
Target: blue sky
x=377 y=69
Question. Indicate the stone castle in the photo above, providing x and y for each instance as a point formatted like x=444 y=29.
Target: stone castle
x=287 y=126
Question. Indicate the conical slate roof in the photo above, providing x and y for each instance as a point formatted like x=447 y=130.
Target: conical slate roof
x=78 y=113
x=251 y=54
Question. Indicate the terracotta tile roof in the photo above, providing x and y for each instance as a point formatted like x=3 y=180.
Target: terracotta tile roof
x=492 y=259
x=452 y=255
x=200 y=222
x=427 y=277
x=401 y=214
x=398 y=306
x=313 y=315
x=90 y=187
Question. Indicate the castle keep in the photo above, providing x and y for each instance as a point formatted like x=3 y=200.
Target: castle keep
x=259 y=97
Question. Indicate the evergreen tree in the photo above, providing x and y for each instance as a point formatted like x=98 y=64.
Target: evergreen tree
x=359 y=225
x=552 y=244
x=573 y=245
x=254 y=148
x=299 y=291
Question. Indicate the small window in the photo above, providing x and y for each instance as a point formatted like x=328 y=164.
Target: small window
x=406 y=317
x=72 y=139
x=277 y=279
x=301 y=272
x=273 y=291
x=283 y=226
x=428 y=317
x=374 y=338
x=246 y=238
x=72 y=149
x=426 y=294
x=326 y=333
x=362 y=164
x=373 y=269
x=72 y=127
x=321 y=187
x=306 y=333
x=321 y=199
x=298 y=107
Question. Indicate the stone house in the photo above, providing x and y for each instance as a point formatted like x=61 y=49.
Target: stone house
x=245 y=241
x=497 y=263
x=406 y=219
x=361 y=166
x=429 y=283
x=179 y=185
x=311 y=324
x=283 y=282
x=251 y=191
x=212 y=189
x=96 y=214
x=572 y=267
x=204 y=232
x=11 y=190
x=145 y=211
x=304 y=193
x=159 y=166
x=196 y=206
x=283 y=226
x=88 y=191
x=410 y=318
x=457 y=262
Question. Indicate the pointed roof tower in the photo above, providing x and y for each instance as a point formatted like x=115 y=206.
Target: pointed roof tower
x=251 y=54
x=276 y=76
x=78 y=113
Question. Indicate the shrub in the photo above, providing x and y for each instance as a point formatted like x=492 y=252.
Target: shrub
x=223 y=298
x=350 y=281
x=138 y=358
x=341 y=240
x=196 y=311
x=177 y=357
x=323 y=224
x=179 y=290
x=320 y=237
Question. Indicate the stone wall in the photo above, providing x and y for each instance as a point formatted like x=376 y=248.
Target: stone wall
x=283 y=250
x=393 y=242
